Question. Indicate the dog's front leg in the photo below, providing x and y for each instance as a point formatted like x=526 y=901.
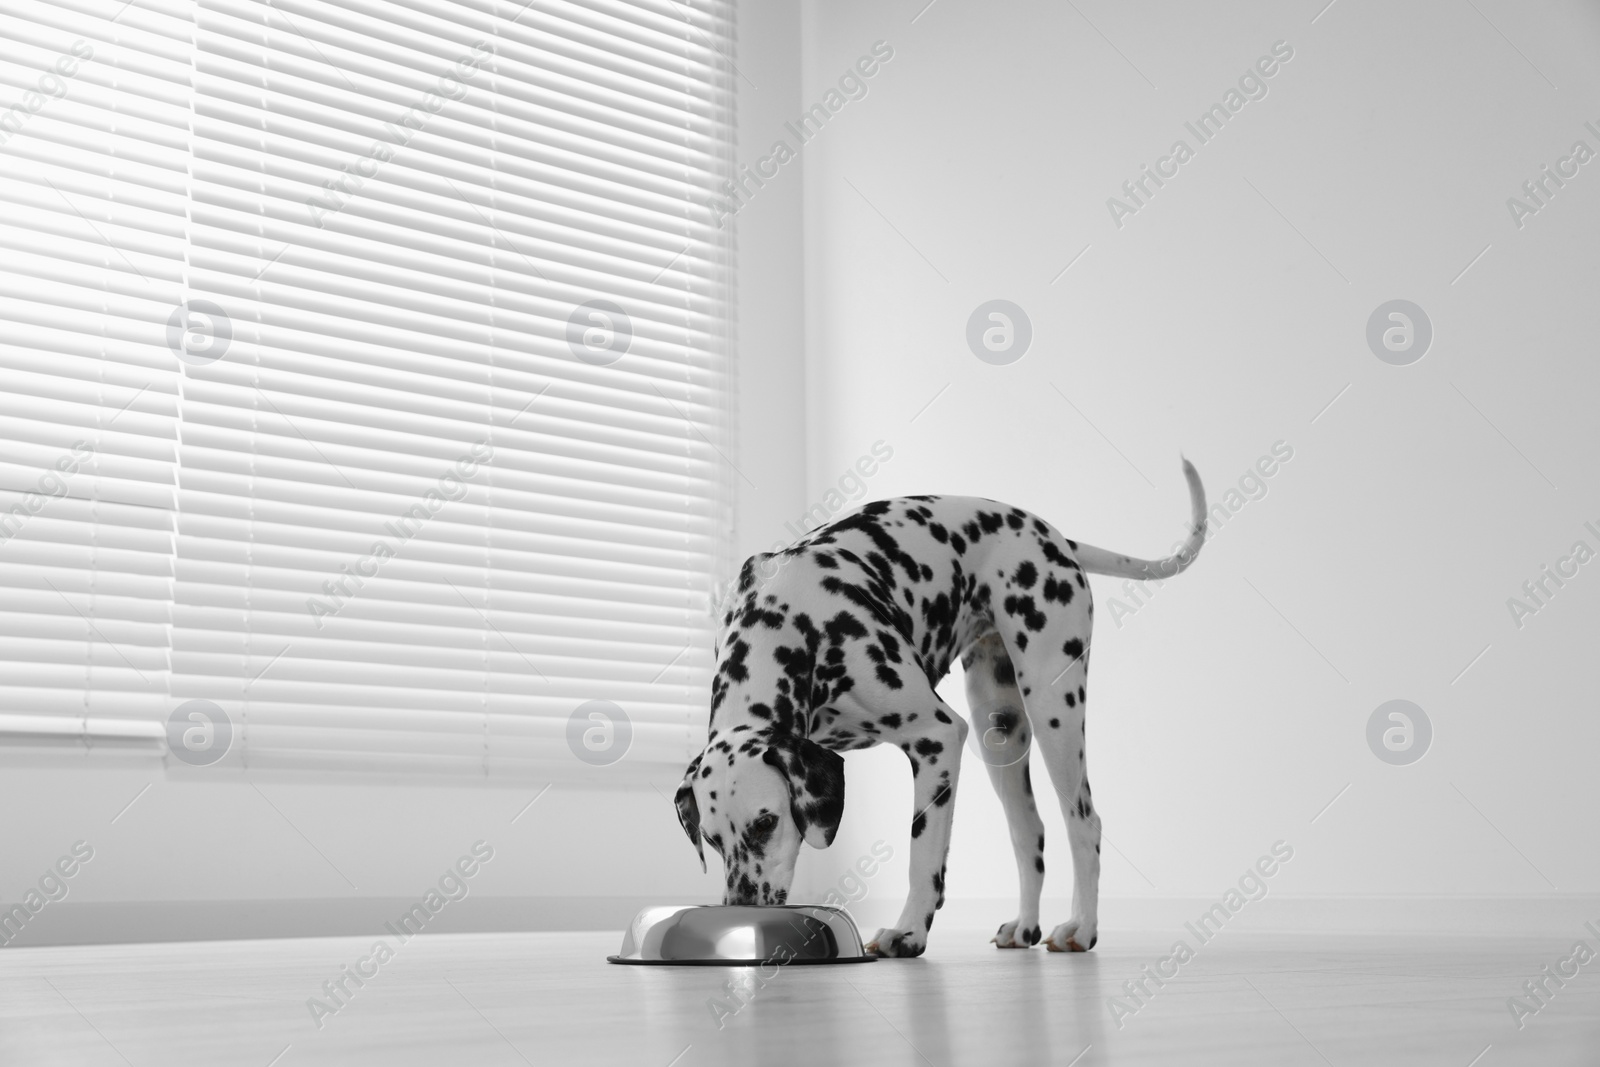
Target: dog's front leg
x=932 y=741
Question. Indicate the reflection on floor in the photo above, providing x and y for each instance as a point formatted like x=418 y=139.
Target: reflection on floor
x=551 y=998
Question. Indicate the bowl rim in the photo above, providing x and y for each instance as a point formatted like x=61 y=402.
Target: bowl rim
x=635 y=962
x=758 y=962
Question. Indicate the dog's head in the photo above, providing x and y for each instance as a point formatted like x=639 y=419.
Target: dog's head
x=754 y=803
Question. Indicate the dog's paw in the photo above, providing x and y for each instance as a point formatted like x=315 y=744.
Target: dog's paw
x=901 y=944
x=1015 y=935
x=1074 y=935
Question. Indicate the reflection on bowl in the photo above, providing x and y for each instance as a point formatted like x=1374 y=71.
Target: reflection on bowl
x=742 y=935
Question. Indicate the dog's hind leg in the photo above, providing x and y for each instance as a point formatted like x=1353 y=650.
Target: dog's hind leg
x=1049 y=649
x=1061 y=743
x=1004 y=741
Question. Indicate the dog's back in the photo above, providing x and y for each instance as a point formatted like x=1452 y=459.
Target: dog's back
x=932 y=571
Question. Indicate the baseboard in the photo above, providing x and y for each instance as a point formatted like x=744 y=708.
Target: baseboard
x=90 y=923
x=1552 y=915
x=82 y=923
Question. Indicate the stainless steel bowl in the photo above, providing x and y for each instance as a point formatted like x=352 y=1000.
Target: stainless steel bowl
x=742 y=935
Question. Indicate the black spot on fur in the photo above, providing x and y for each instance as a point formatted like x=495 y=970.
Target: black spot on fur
x=1061 y=592
x=1032 y=617
x=842 y=627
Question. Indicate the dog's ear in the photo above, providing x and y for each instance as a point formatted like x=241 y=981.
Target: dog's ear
x=816 y=786
x=689 y=810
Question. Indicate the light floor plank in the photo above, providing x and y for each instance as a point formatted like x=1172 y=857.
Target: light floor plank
x=550 y=998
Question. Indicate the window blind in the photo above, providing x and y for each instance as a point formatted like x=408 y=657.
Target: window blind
x=446 y=417
x=93 y=164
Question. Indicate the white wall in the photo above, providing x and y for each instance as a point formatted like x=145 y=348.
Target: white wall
x=981 y=159
x=203 y=855
x=1219 y=319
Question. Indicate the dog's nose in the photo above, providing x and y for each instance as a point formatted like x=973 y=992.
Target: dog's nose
x=742 y=895
x=741 y=890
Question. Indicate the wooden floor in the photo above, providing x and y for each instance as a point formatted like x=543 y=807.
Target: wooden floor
x=488 y=1000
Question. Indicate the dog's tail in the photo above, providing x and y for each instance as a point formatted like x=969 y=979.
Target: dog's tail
x=1099 y=561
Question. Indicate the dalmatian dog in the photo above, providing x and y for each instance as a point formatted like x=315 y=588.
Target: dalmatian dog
x=837 y=643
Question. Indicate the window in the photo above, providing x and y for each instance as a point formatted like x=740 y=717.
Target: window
x=382 y=354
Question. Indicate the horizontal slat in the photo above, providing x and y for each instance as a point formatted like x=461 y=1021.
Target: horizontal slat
x=382 y=720
x=85 y=729
x=421 y=446
x=653 y=746
x=98 y=691
x=422 y=604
